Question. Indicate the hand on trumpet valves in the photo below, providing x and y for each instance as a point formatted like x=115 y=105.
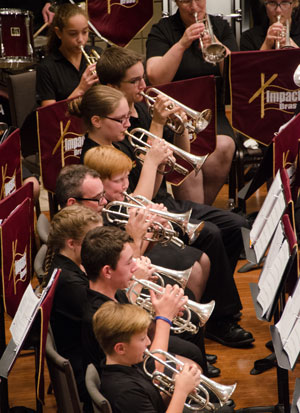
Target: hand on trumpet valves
x=88 y=78
x=192 y=33
x=275 y=33
x=169 y=304
x=159 y=153
x=188 y=379
x=138 y=223
x=163 y=107
x=144 y=269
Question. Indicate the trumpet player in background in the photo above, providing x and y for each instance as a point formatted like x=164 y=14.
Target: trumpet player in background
x=280 y=27
x=122 y=331
x=174 y=52
x=65 y=73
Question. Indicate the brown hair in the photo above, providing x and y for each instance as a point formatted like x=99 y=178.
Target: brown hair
x=107 y=161
x=72 y=222
x=114 y=62
x=62 y=15
x=116 y=323
x=98 y=100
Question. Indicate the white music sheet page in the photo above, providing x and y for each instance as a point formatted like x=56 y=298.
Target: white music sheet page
x=271 y=281
x=290 y=315
x=271 y=222
x=24 y=314
x=292 y=346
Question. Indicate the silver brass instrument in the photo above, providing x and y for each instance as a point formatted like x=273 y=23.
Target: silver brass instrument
x=161 y=234
x=180 y=324
x=197 y=400
x=215 y=52
x=181 y=277
x=195 y=161
x=182 y=220
x=197 y=121
x=283 y=34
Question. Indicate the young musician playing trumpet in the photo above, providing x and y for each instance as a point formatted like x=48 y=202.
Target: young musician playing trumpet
x=122 y=332
x=64 y=73
x=271 y=33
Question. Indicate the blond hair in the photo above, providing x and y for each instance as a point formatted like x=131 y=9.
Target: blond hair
x=116 y=323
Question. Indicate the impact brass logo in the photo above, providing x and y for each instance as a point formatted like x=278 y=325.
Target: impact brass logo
x=274 y=97
x=123 y=3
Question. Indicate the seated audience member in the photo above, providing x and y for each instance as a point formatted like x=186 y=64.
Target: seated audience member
x=173 y=53
x=64 y=72
x=271 y=33
x=67 y=230
x=121 y=330
x=105 y=112
x=107 y=258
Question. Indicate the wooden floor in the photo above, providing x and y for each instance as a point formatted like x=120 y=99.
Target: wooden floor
x=235 y=364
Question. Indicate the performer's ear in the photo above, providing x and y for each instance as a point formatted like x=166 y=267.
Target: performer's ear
x=120 y=348
x=96 y=121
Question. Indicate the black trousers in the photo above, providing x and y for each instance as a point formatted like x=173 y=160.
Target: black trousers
x=221 y=240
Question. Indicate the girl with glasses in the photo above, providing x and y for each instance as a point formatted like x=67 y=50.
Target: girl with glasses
x=271 y=33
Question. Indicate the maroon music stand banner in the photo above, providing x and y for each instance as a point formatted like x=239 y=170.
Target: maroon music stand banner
x=286 y=150
x=120 y=20
x=198 y=94
x=10 y=163
x=60 y=139
x=16 y=260
x=263 y=93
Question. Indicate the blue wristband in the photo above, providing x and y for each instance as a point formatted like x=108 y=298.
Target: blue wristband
x=160 y=317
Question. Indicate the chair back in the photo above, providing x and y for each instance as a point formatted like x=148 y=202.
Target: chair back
x=92 y=381
x=62 y=379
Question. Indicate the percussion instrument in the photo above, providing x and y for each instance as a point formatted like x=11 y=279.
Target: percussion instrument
x=16 y=38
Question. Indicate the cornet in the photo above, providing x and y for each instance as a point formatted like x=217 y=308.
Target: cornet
x=195 y=161
x=161 y=234
x=92 y=58
x=214 y=52
x=197 y=121
x=180 y=324
x=197 y=400
x=285 y=33
x=180 y=277
x=182 y=220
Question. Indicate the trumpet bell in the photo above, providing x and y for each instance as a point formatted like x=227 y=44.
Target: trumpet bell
x=181 y=277
x=214 y=53
x=222 y=391
x=203 y=120
x=203 y=311
x=193 y=231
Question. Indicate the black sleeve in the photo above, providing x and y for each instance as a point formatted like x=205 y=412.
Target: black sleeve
x=224 y=33
x=45 y=89
x=248 y=42
x=134 y=400
x=158 y=42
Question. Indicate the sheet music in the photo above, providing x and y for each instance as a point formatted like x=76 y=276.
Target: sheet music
x=273 y=277
x=26 y=308
x=292 y=346
x=290 y=315
x=270 y=224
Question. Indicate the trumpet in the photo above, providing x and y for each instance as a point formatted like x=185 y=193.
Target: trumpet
x=197 y=121
x=180 y=277
x=180 y=324
x=195 y=161
x=92 y=58
x=197 y=400
x=161 y=234
x=215 y=52
x=285 y=33
x=182 y=220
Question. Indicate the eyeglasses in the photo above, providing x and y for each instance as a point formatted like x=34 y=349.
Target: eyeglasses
x=121 y=120
x=136 y=80
x=189 y=1
x=284 y=5
x=99 y=199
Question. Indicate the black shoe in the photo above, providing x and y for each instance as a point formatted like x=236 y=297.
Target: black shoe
x=229 y=333
x=213 y=371
x=211 y=358
x=237 y=316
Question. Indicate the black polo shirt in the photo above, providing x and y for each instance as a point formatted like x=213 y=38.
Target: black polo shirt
x=56 y=77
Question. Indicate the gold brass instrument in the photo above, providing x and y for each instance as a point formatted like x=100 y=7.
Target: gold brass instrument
x=180 y=324
x=92 y=58
x=197 y=121
x=182 y=220
x=195 y=161
x=161 y=234
x=215 y=52
x=199 y=398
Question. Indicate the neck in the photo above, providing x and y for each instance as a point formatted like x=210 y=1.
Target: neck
x=69 y=254
x=115 y=359
x=103 y=287
x=94 y=135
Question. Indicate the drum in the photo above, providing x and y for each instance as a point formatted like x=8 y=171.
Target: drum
x=16 y=36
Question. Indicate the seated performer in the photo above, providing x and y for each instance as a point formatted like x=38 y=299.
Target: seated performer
x=105 y=114
x=121 y=330
x=67 y=230
x=64 y=72
x=174 y=53
x=271 y=33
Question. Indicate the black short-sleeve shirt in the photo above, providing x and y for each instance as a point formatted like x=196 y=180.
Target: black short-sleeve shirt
x=56 y=77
